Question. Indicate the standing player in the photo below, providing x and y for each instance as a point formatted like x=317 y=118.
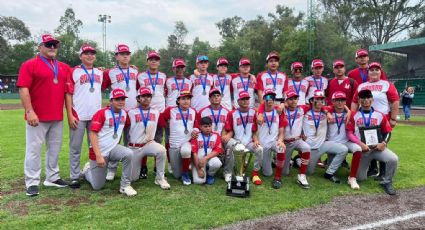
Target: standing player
x=105 y=132
x=241 y=127
x=83 y=100
x=202 y=84
x=244 y=81
x=180 y=120
x=360 y=74
x=176 y=84
x=222 y=81
x=143 y=125
x=271 y=136
x=296 y=83
x=316 y=81
x=341 y=83
x=272 y=78
x=215 y=111
x=368 y=117
x=205 y=149
x=41 y=83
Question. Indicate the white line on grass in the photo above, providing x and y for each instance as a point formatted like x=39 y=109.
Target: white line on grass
x=388 y=221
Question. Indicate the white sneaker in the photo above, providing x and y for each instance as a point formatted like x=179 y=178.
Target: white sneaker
x=110 y=175
x=170 y=170
x=353 y=183
x=162 y=182
x=302 y=180
x=227 y=177
x=85 y=169
x=129 y=191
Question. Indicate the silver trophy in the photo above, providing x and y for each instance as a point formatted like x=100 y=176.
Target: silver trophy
x=239 y=185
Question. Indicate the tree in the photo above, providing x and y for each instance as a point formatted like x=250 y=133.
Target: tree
x=230 y=27
x=69 y=24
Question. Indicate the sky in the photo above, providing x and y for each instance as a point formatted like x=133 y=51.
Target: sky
x=140 y=23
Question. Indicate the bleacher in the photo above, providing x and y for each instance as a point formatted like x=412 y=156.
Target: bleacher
x=419 y=84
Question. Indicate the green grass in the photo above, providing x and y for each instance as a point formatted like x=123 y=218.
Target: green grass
x=182 y=207
x=10 y=101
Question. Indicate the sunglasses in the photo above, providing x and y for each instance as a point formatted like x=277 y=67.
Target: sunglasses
x=202 y=58
x=339 y=100
x=298 y=70
x=51 y=45
x=89 y=53
x=269 y=98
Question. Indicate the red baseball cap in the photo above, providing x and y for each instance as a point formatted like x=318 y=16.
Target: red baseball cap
x=185 y=94
x=244 y=61
x=213 y=91
x=45 y=38
x=375 y=65
x=152 y=54
x=296 y=65
x=318 y=94
x=122 y=48
x=178 y=62
x=243 y=94
x=269 y=92
x=291 y=93
x=86 y=48
x=222 y=61
x=338 y=63
x=317 y=63
x=144 y=91
x=117 y=93
x=339 y=95
x=361 y=53
x=272 y=54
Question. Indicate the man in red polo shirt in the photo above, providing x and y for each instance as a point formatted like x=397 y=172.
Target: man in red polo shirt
x=360 y=73
x=341 y=83
x=41 y=83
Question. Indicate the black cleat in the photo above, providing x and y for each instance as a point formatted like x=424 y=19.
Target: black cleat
x=74 y=184
x=32 y=190
x=143 y=172
x=332 y=178
x=277 y=184
x=388 y=188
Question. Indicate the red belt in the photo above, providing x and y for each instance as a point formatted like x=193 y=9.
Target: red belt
x=291 y=139
x=136 y=145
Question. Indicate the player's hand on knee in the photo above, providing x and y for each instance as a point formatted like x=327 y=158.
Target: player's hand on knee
x=202 y=162
x=32 y=118
x=380 y=146
x=364 y=147
x=281 y=146
x=100 y=161
x=201 y=173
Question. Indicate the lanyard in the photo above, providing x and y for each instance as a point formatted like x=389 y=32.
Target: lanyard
x=145 y=119
x=150 y=80
x=274 y=80
x=216 y=119
x=126 y=77
x=222 y=85
x=338 y=123
x=116 y=123
x=363 y=74
x=291 y=122
x=244 y=123
x=206 y=143
x=315 y=83
x=91 y=77
x=295 y=86
x=316 y=123
x=367 y=122
x=179 y=88
x=184 y=119
x=204 y=82
x=245 y=87
x=269 y=124
x=53 y=67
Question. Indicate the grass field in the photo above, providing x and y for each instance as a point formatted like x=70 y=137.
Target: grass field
x=182 y=207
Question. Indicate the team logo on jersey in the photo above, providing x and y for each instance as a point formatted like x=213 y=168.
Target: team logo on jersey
x=198 y=81
x=279 y=81
x=217 y=83
x=372 y=87
x=347 y=86
x=310 y=117
x=201 y=144
x=179 y=117
x=303 y=87
x=373 y=122
x=239 y=121
x=138 y=117
x=120 y=77
x=239 y=85
x=111 y=121
x=147 y=82
x=85 y=79
x=185 y=87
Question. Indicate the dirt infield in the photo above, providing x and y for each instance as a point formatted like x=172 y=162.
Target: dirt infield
x=354 y=212
x=10 y=106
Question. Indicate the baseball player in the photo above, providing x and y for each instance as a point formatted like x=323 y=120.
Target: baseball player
x=272 y=78
x=176 y=83
x=297 y=83
x=201 y=84
x=315 y=129
x=241 y=127
x=316 y=81
x=180 y=120
x=216 y=111
x=124 y=77
x=154 y=80
x=368 y=117
x=105 y=132
x=83 y=100
x=244 y=81
x=341 y=83
x=271 y=136
x=205 y=149
x=222 y=81
x=43 y=112
x=360 y=74
x=143 y=125
x=337 y=133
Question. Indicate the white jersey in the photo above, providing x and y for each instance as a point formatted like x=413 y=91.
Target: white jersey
x=316 y=84
x=278 y=82
x=333 y=134
x=377 y=119
x=173 y=88
x=214 y=144
x=157 y=82
x=85 y=103
x=269 y=135
x=295 y=119
x=218 y=119
x=199 y=100
x=309 y=128
x=173 y=117
x=301 y=87
x=115 y=79
x=235 y=122
x=138 y=134
x=239 y=84
x=383 y=93
x=224 y=84
x=103 y=124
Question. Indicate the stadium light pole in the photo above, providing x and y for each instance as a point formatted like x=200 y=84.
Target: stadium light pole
x=104 y=19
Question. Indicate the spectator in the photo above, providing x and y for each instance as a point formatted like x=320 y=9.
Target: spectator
x=407 y=100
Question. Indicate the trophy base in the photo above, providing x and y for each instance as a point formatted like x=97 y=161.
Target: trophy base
x=238 y=188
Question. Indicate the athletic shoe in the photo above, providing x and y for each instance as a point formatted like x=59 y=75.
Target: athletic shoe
x=210 y=180
x=332 y=178
x=353 y=183
x=302 y=180
x=143 y=172
x=227 y=177
x=256 y=180
x=74 y=184
x=110 y=175
x=388 y=188
x=162 y=182
x=129 y=191
x=85 y=169
x=170 y=169
x=320 y=164
x=32 y=190
x=277 y=183
x=59 y=183
x=186 y=179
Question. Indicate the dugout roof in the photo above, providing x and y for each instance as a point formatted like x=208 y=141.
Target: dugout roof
x=410 y=46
